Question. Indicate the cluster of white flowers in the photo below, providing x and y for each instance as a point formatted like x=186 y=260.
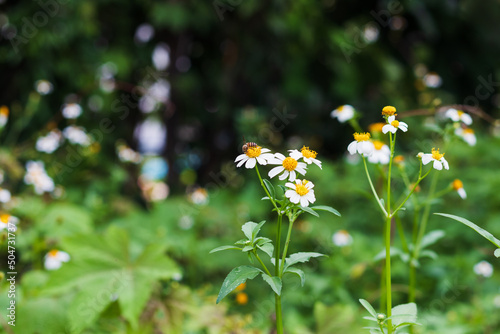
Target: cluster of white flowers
x=50 y=142
x=302 y=191
x=77 y=135
x=71 y=110
x=37 y=176
x=461 y=121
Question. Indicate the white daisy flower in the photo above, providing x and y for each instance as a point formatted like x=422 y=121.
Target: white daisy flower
x=253 y=155
x=361 y=144
x=71 y=110
x=342 y=238
x=50 y=142
x=381 y=153
x=309 y=156
x=438 y=158
x=55 y=258
x=76 y=135
x=5 y=195
x=483 y=268
x=467 y=135
x=288 y=167
x=394 y=125
x=37 y=176
x=459 y=187
x=458 y=115
x=302 y=192
x=5 y=219
x=4 y=115
x=343 y=113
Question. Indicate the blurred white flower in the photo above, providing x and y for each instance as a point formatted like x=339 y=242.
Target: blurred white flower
x=458 y=115
x=4 y=115
x=5 y=219
x=5 y=195
x=43 y=87
x=467 y=135
x=361 y=144
x=371 y=33
x=186 y=222
x=342 y=238
x=432 y=80
x=161 y=56
x=144 y=33
x=153 y=191
x=71 y=110
x=483 y=268
x=37 y=176
x=459 y=187
x=50 y=142
x=199 y=196
x=343 y=113
x=126 y=154
x=76 y=135
x=496 y=301
x=157 y=93
x=438 y=159
x=55 y=258
x=151 y=135
x=381 y=153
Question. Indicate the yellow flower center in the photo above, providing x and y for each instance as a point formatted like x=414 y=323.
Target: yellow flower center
x=395 y=123
x=339 y=109
x=436 y=155
x=468 y=131
x=307 y=153
x=4 y=110
x=253 y=152
x=53 y=253
x=457 y=184
x=362 y=136
x=399 y=159
x=378 y=144
x=289 y=164
x=388 y=111
x=460 y=113
x=301 y=189
x=376 y=127
x=4 y=218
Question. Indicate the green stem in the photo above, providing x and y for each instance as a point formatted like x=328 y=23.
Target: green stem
x=279 y=317
x=265 y=189
x=261 y=263
x=411 y=192
x=289 y=234
x=373 y=188
x=277 y=298
x=355 y=125
x=388 y=223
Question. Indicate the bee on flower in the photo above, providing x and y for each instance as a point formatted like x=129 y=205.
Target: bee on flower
x=438 y=159
x=55 y=258
x=343 y=113
x=467 y=135
x=381 y=153
x=361 y=144
x=393 y=125
x=289 y=167
x=253 y=154
x=309 y=156
x=300 y=192
x=458 y=116
x=459 y=187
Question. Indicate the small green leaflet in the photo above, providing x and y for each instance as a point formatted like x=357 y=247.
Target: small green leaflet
x=221 y=248
x=270 y=188
x=309 y=210
x=274 y=282
x=326 y=208
x=300 y=257
x=237 y=276
x=298 y=272
x=368 y=307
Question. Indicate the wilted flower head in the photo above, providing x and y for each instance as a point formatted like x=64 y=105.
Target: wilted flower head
x=71 y=110
x=50 y=142
x=438 y=158
x=459 y=187
x=55 y=258
x=37 y=176
x=342 y=238
x=483 y=268
x=343 y=113
x=361 y=144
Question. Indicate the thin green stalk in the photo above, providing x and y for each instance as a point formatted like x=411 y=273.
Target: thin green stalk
x=261 y=263
x=279 y=317
x=355 y=125
x=288 y=236
x=399 y=225
x=411 y=192
x=265 y=189
x=388 y=223
x=373 y=188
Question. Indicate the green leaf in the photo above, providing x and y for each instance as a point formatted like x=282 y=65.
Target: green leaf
x=236 y=277
x=62 y=219
x=300 y=257
x=473 y=226
x=221 y=248
x=428 y=253
x=309 y=210
x=283 y=188
x=247 y=248
x=405 y=313
x=270 y=188
x=262 y=240
x=298 y=272
x=256 y=229
x=274 y=282
x=326 y=208
x=242 y=242
x=497 y=252
x=247 y=229
x=368 y=307
x=431 y=238
x=267 y=248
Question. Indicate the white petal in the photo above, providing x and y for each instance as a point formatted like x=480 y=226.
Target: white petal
x=242 y=162
x=301 y=170
x=391 y=119
x=293 y=176
x=284 y=175
x=250 y=163
x=304 y=201
x=403 y=126
x=295 y=198
x=317 y=162
x=290 y=185
x=62 y=256
x=393 y=129
x=352 y=147
x=264 y=150
x=462 y=193
x=275 y=171
x=261 y=161
x=426 y=158
x=296 y=154
x=366 y=148
x=268 y=156
x=239 y=157
x=386 y=128
x=279 y=156
x=445 y=163
x=437 y=165
x=466 y=119
x=290 y=193
x=309 y=185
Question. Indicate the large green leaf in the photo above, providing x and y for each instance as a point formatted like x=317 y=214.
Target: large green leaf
x=300 y=257
x=368 y=307
x=236 y=277
x=431 y=238
x=274 y=282
x=297 y=272
x=404 y=314
x=248 y=228
x=473 y=226
x=62 y=219
x=102 y=269
x=325 y=208
x=221 y=248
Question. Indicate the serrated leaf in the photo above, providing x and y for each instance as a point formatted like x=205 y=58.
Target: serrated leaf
x=368 y=307
x=326 y=208
x=473 y=226
x=405 y=313
x=270 y=188
x=431 y=238
x=274 y=282
x=221 y=248
x=298 y=272
x=247 y=229
x=497 y=252
x=309 y=210
x=300 y=257
x=267 y=248
x=236 y=277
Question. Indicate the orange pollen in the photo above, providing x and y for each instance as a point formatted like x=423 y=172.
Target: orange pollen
x=290 y=164
x=4 y=218
x=253 y=152
x=436 y=155
x=301 y=189
x=460 y=113
x=468 y=131
x=378 y=144
x=395 y=123
x=307 y=153
x=399 y=159
x=389 y=111
x=362 y=136
x=53 y=253
x=242 y=298
x=376 y=127
x=457 y=184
